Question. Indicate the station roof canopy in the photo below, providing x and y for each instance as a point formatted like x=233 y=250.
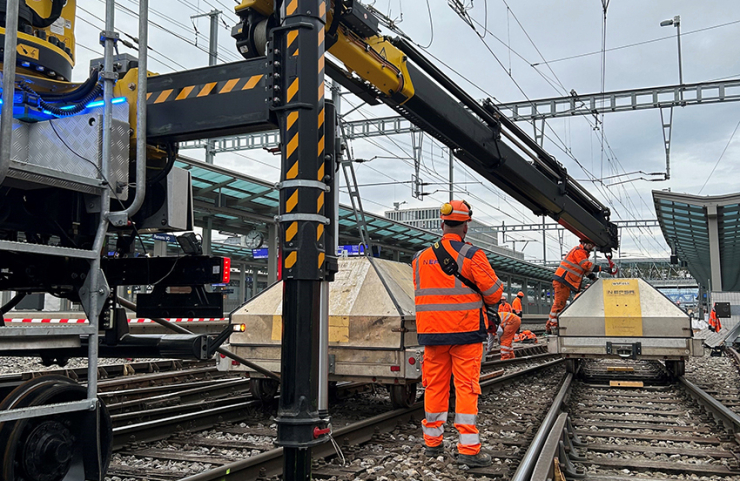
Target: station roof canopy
x=704 y=232
x=237 y=203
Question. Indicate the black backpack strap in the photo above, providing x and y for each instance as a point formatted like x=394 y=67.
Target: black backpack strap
x=449 y=266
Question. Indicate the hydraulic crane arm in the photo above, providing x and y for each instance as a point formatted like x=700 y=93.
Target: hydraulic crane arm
x=395 y=72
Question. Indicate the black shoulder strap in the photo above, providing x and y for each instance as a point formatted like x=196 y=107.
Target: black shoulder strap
x=449 y=265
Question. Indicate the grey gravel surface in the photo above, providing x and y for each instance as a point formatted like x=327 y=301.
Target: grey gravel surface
x=11 y=365
x=394 y=456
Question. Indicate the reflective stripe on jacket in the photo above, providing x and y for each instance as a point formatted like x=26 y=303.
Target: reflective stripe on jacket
x=574 y=267
x=504 y=307
x=447 y=311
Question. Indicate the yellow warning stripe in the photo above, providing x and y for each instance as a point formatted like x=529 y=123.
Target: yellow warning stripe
x=321 y=145
x=291 y=8
x=185 y=92
x=253 y=80
x=321 y=259
x=163 y=96
x=291 y=231
x=291 y=259
x=292 y=117
x=321 y=91
x=293 y=172
x=291 y=202
x=292 y=35
x=322 y=9
x=319 y=232
x=295 y=54
x=292 y=145
x=202 y=90
x=320 y=202
x=321 y=117
x=321 y=171
x=206 y=89
x=229 y=86
x=321 y=36
x=293 y=89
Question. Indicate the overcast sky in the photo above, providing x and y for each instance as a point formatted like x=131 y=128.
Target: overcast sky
x=640 y=53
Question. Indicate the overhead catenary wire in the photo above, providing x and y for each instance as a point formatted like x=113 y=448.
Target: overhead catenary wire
x=729 y=141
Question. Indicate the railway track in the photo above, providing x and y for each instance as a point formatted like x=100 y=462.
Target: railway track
x=404 y=423
x=630 y=427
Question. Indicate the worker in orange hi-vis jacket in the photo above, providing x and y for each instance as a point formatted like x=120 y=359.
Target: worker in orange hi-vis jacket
x=569 y=277
x=516 y=304
x=510 y=323
x=714 y=324
x=454 y=286
x=504 y=305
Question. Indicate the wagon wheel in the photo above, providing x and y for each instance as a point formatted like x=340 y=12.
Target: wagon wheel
x=51 y=448
x=264 y=389
x=403 y=395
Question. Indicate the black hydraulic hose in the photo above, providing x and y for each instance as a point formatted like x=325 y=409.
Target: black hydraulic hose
x=80 y=92
x=76 y=107
x=56 y=11
x=10 y=305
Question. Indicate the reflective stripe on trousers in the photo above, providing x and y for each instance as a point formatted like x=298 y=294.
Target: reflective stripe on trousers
x=433 y=427
x=440 y=363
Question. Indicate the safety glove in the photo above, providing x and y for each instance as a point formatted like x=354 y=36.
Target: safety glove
x=613 y=269
x=591 y=276
x=493 y=318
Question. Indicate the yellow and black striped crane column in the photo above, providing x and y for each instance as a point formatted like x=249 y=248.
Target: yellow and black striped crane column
x=296 y=52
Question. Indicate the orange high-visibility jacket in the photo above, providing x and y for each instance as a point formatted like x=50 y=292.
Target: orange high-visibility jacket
x=504 y=307
x=447 y=311
x=516 y=306
x=714 y=321
x=574 y=267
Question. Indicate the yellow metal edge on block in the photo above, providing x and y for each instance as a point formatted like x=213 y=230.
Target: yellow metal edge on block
x=626 y=384
x=262 y=6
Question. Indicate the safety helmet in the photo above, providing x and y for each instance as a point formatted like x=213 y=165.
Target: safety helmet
x=456 y=210
x=520 y=294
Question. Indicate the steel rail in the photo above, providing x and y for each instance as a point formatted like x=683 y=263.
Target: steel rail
x=158 y=429
x=270 y=463
x=529 y=461
x=720 y=412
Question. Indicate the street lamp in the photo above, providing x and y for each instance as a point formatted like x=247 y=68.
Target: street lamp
x=676 y=21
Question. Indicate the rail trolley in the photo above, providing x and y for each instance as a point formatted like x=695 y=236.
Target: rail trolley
x=625 y=319
x=372 y=330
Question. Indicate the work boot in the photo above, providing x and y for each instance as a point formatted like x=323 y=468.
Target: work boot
x=480 y=460
x=434 y=451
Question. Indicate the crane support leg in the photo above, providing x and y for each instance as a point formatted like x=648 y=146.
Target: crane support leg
x=296 y=53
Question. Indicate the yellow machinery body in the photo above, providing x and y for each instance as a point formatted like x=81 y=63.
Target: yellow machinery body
x=46 y=51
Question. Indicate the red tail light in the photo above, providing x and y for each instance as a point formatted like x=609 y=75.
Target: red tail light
x=412 y=361
x=226 y=271
x=395 y=368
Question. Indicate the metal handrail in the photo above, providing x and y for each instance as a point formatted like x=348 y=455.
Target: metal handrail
x=9 y=59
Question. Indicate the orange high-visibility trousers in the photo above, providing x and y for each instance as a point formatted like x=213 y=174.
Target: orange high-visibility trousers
x=562 y=293
x=440 y=362
x=510 y=324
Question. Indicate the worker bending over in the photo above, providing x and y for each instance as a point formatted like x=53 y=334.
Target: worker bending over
x=714 y=324
x=569 y=277
x=510 y=323
x=453 y=284
x=516 y=304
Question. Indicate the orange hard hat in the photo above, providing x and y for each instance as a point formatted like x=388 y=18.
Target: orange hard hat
x=456 y=210
x=520 y=294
